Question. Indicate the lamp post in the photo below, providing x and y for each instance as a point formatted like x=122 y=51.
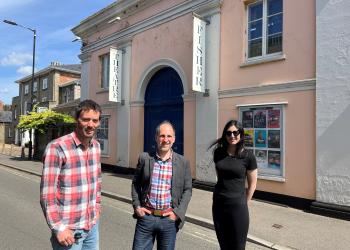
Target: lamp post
x=34 y=40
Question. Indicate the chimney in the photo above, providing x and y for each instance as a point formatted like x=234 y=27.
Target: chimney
x=55 y=63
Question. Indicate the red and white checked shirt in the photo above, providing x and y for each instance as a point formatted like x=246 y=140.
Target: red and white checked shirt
x=70 y=189
x=159 y=196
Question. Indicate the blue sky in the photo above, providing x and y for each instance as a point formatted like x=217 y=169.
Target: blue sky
x=53 y=21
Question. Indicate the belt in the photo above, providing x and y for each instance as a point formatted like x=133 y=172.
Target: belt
x=159 y=212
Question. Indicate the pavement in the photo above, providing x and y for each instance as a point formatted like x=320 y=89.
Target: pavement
x=271 y=225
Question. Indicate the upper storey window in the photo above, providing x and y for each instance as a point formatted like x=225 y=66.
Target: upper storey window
x=265 y=26
x=104 y=61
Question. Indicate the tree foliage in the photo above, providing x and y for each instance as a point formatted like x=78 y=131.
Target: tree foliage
x=41 y=121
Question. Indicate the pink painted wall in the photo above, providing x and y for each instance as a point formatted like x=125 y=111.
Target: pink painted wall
x=172 y=40
x=298 y=46
x=101 y=97
x=300 y=172
x=133 y=19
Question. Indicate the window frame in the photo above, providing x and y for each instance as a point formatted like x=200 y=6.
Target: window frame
x=26 y=89
x=277 y=151
x=35 y=86
x=104 y=71
x=264 y=37
x=104 y=142
x=44 y=83
x=25 y=104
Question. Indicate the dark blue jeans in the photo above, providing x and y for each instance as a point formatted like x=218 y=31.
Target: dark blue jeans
x=150 y=227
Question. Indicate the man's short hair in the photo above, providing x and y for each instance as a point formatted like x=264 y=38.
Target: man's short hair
x=162 y=123
x=87 y=105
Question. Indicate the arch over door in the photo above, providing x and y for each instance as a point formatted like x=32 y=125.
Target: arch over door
x=163 y=101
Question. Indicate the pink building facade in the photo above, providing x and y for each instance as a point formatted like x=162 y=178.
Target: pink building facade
x=255 y=61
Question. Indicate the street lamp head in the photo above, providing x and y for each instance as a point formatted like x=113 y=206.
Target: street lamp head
x=77 y=38
x=10 y=22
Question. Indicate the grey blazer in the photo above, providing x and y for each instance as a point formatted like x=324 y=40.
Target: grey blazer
x=181 y=190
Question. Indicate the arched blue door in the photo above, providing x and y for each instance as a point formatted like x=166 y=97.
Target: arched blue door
x=163 y=101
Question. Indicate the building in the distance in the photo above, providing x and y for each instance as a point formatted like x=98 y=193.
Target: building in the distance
x=54 y=85
x=5 y=127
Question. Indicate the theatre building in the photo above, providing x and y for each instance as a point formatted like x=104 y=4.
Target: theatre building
x=198 y=64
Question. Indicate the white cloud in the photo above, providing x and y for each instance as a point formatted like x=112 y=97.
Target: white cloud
x=16 y=59
x=11 y=4
x=24 y=70
x=4 y=91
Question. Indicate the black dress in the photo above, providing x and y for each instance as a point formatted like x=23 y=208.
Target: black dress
x=230 y=210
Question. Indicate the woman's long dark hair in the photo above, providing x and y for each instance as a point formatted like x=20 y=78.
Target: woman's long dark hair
x=222 y=144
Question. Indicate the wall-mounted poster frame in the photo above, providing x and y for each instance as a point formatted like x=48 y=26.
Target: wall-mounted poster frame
x=264 y=136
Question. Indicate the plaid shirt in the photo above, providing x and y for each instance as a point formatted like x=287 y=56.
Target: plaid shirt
x=159 y=196
x=70 y=189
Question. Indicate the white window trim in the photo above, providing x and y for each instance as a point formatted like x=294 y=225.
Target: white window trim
x=26 y=89
x=25 y=104
x=35 y=86
x=264 y=57
x=102 y=88
x=44 y=83
x=281 y=105
x=105 y=153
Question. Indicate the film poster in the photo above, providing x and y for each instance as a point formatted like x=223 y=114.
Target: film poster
x=261 y=158
x=247 y=119
x=273 y=118
x=259 y=118
x=274 y=139
x=274 y=159
x=249 y=138
x=260 y=138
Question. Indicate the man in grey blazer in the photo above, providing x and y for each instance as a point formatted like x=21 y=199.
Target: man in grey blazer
x=161 y=190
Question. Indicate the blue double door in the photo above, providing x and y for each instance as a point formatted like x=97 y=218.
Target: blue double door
x=163 y=101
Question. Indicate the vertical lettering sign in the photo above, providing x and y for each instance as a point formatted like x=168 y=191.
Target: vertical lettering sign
x=198 y=63
x=115 y=75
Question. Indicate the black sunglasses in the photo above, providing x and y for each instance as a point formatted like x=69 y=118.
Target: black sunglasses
x=235 y=133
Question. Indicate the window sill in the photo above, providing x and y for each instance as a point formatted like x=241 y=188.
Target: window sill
x=104 y=156
x=272 y=178
x=101 y=91
x=265 y=59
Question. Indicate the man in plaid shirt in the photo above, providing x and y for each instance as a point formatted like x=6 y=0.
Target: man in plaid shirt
x=161 y=191
x=70 y=189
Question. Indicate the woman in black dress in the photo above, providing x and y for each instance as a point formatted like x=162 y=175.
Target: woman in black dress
x=234 y=167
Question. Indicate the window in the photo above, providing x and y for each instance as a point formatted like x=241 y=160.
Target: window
x=44 y=99
x=265 y=24
x=26 y=89
x=9 y=133
x=35 y=86
x=104 y=61
x=27 y=107
x=15 y=115
x=66 y=95
x=44 y=83
x=102 y=135
x=34 y=100
x=263 y=135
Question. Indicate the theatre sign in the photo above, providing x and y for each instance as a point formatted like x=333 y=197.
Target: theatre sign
x=115 y=75
x=198 y=63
